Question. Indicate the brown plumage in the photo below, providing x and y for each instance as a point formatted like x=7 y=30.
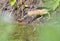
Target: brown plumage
x=34 y=13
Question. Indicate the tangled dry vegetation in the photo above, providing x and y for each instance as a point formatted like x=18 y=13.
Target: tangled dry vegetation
x=22 y=9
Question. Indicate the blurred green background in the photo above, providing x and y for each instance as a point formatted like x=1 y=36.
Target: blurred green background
x=49 y=31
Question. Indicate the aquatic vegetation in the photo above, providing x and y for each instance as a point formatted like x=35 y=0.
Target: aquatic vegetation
x=12 y=2
x=51 y=4
x=47 y=31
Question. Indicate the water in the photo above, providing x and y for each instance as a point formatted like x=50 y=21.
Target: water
x=49 y=31
x=9 y=31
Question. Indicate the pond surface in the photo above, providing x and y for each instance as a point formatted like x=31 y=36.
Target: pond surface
x=49 y=31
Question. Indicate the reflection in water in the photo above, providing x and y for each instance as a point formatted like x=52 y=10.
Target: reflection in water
x=24 y=33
